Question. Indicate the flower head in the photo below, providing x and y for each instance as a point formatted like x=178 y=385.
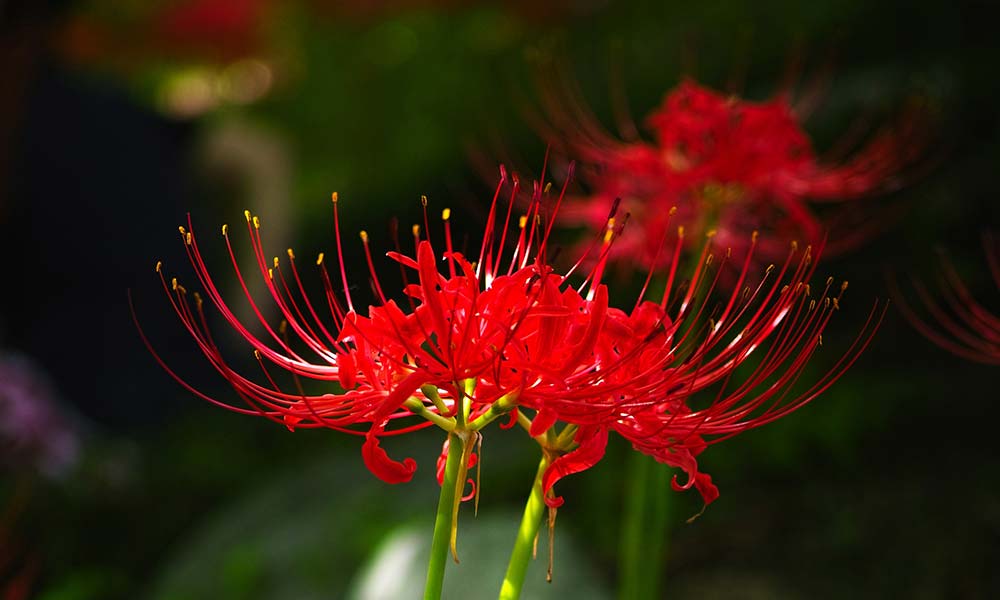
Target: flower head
x=956 y=321
x=732 y=166
x=509 y=336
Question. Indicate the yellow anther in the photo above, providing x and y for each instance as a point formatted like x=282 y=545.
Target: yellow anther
x=225 y=230
x=319 y=259
x=256 y=222
x=820 y=339
x=270 y=273
x=275 y=262
x=708 y=260
x=334 y=196
x=521 y=222
x=423 y=200
x=812 y=304
x=283 y=327
x=197 y=300
x=548 y=186
x=610 y=233
x=416 y=230
x=808 y=290
x=836 y=303
x=768 y=270
x=246 y=214
x=256 y=354
x=159 y=265
x=173 y=283
x=843 y=286
x=446 y=214
x=711 y=233
x=182 y=289
x=680 y=231
x=784 y=289
x=829 y=281
x=364 y=236
x=795 y=245
x=729 y=252
x=673 y=210
x=291 y=254
x=187 y=238
x=182 y=230
x=753 y=236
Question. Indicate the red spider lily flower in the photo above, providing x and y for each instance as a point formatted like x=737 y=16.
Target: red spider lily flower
x=670 y=350
x=728 y=165
x=958 y=322
x=509 y=335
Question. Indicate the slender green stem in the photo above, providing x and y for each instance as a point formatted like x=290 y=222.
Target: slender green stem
x=524 y=545
x=444 y=521
x=496 y=410
x=417 y=407
x=644 y=529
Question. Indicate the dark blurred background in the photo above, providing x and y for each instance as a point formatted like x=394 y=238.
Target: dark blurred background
x=121 y=116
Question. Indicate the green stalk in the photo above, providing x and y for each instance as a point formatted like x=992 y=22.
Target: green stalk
x=444 y=521
x=644 y=529
x=524 y=545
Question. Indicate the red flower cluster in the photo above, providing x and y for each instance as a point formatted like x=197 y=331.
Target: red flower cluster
x=508 y=336
x=963 y=325
x=727 y=165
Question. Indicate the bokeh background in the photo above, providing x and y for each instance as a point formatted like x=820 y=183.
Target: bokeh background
x=118 y=117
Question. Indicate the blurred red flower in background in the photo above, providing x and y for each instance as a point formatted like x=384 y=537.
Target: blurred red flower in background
x=728 y=165
x=956 y=321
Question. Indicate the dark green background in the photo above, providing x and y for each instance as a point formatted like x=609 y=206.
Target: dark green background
x=885 y=487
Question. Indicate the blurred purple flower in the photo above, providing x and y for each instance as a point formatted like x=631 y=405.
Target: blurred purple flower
x=34 y=432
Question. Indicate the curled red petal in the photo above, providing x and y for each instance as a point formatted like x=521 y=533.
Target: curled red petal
x=472 y=490
x=383 y=467
x=511 y=421
x=683 y=459
x=591 y=450
x=442 y=462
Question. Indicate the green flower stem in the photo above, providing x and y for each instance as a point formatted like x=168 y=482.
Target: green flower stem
x=431 y=393
x=444 y=522
x=523 y=550
x=417 y=407
x=496 y=410
x=644 y=529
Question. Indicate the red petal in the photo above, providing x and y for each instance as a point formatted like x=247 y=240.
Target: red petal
x=383 y=467
x=347 y=370
x=442 y=462
x=589 y=453
x=545 y=418
x=684 y=459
